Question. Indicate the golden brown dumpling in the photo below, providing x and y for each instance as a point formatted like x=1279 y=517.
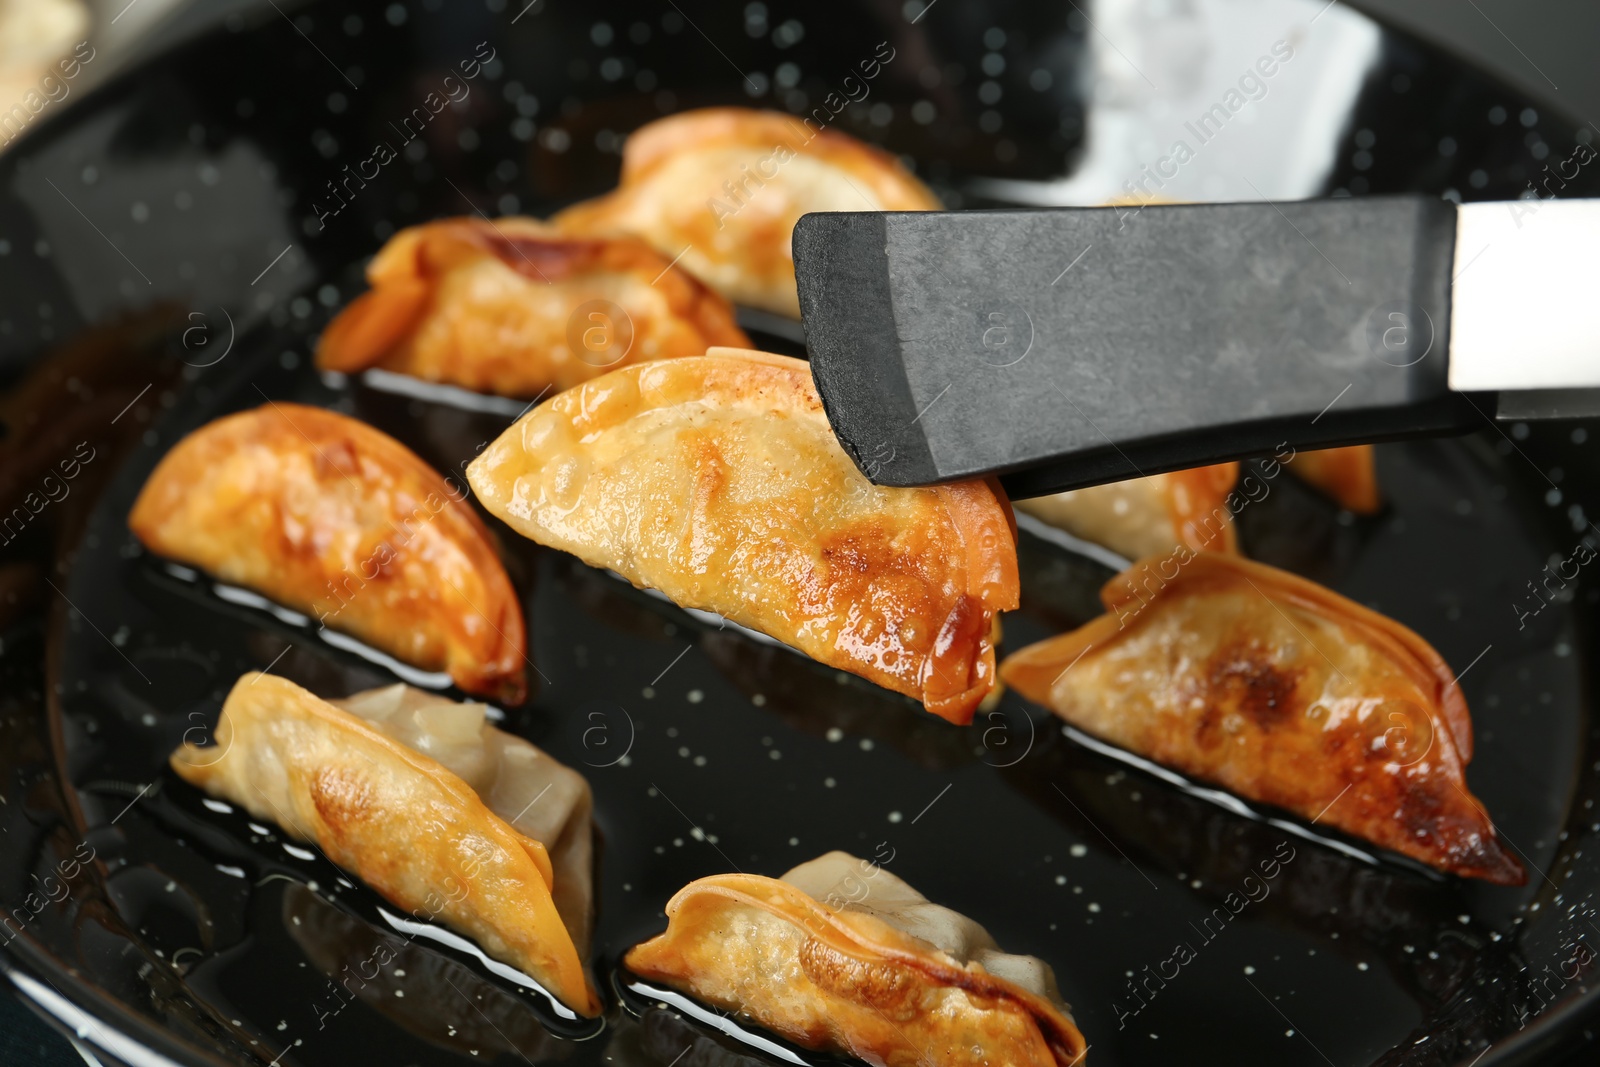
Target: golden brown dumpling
x=541 y=798
x=514 y=308
x=1282 y=692
x=1347 y=475
x=398 y=819
x=328 y=516
x=841 y=956
x=718 y=481
x=1143 y=516
x=723 y=188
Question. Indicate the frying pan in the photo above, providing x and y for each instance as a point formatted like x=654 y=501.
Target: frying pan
x=170 y=247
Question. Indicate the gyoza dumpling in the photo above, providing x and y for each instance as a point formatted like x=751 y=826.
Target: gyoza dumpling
x=839 y=955
x=328 y=516
x=718 y=481
x=1348 y=475
x=403 y=822
x=515 y=308
x=1143 y=516
x=723 y=188
x=545 y=800
x=1282 y=692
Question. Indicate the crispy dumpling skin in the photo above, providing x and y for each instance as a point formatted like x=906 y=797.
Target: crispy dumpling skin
x=398 y=819
x=505 y=307
x=540 y=797
x=724 y=187
x=1283 y=692
x=1349 y=476
x=718 y=481
x=328 y=516
x=1143 y=516
x=842 y=956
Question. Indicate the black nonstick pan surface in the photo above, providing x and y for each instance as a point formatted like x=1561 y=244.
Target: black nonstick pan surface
x=170 y=247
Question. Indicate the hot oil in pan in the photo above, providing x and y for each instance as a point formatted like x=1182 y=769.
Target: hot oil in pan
x=709 y=752
x=401 y=965
x=662 y=1020
x=1100 y=870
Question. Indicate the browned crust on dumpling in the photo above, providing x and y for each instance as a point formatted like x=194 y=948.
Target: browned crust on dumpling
x=859 y=986
x=1403 y=645
x=910 y=605
x=513 y=341
x=648 y=147
x=328 y=516
x=1189 y=669
x=702 y=214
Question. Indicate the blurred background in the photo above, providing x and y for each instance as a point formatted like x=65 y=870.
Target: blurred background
x=1545 y=47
